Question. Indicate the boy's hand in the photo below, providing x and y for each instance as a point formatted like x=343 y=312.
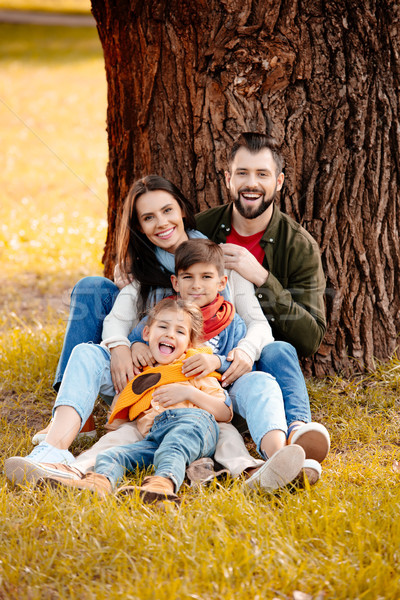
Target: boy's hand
x=241 y=364
x=200 y=365
x=122 y=368
x=141 y=355
x=171 y=393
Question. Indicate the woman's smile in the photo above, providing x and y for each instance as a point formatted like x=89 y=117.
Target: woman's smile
x=161 y=219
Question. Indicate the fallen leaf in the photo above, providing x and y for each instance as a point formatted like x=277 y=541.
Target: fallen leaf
x=396 y=466
x=301 y=596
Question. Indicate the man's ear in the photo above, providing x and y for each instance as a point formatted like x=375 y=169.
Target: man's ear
x=222 y=283
x=174 y=281
x=145 y=333
x=227 y=179
x=279 y=181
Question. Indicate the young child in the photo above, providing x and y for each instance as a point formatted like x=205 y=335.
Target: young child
x=177 y=415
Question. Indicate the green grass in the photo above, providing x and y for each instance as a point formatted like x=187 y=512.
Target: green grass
x=339 y=539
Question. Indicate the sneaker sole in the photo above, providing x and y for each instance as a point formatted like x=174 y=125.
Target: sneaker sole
x=280 y=470
x=19 y=470
x=314 y=439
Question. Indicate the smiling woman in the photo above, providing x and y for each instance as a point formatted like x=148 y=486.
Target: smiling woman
x=163 y=223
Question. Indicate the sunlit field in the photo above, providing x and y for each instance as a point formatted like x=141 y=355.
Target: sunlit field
x=53 y=152
x=337 y=540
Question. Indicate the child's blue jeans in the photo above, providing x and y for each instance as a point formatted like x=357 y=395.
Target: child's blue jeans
x=177 y=438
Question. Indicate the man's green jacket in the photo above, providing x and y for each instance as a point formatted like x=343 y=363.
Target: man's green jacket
x=292 y=298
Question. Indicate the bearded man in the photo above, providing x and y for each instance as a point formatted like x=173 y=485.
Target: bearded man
x=267 y=247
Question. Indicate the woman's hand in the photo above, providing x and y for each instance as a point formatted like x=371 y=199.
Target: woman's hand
x=241 y=364
x=141 y=355
x=242 y=261
x=200 y=365
x=120 y=280
x=122 y=367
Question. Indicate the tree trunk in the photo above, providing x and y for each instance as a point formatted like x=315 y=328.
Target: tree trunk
x=186 y=76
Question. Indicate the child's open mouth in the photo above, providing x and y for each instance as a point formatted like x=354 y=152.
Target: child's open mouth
x=166 y=348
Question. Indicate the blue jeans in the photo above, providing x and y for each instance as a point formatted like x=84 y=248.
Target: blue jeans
x=86 y=376
x=281 y=361
x=176 y=439
x=257 y=398
x=92 y=299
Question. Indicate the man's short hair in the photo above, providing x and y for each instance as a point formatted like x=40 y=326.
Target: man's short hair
x=199 y=250
x=255 y=142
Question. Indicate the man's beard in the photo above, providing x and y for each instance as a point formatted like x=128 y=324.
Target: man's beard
x=249 y=212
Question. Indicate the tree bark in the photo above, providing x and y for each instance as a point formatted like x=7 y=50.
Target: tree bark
x=186 y=76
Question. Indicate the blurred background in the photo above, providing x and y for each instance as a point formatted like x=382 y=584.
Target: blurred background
x=53 y=156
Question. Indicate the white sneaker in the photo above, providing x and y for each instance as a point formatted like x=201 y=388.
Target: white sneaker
x=19 y=471
x=279 y=470
x=313 y=438
x=22 y=468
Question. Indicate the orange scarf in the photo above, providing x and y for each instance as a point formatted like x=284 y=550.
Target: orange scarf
x=217 y=316
x=136 y=397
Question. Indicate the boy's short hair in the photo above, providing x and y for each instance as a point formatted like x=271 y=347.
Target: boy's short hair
x=194 y=313
x=200 y=250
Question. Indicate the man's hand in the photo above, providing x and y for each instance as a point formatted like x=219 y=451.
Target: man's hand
x=171 y=393
x=122 y=369
x=141 y=355
x=242 y=261
x=200 y=365
x=241 y=364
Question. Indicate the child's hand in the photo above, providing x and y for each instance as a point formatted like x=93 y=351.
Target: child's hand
x=241 y=364
x=200 y=365
x=171 y=393
x=141 y=355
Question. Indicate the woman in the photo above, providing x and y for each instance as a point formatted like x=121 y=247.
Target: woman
x=156 y=219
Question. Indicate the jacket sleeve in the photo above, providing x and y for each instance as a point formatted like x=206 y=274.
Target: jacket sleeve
x=122 y=319
x=259 y=332
x=234 y=333
x=296 y=308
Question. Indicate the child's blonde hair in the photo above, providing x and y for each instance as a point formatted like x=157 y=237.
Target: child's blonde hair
x=194 y=313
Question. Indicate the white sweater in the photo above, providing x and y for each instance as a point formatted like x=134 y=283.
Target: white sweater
x=123 y=317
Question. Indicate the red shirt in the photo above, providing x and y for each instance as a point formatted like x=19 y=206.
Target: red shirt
x=251 y=242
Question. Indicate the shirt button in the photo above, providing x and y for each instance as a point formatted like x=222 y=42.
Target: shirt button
x=222 y=226
x=260 y=296
x=228 y=229
x=272 y=319
x=271 y=239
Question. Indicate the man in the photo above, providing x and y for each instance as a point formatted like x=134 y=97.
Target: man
x=283 y=262
x=267 y=247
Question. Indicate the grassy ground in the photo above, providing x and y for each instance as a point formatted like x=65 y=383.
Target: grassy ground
x=339 y=539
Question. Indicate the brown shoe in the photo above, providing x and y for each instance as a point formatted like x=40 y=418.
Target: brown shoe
x=95 y=482
x=201 y=471
x=311 y=471
x=153 y=489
